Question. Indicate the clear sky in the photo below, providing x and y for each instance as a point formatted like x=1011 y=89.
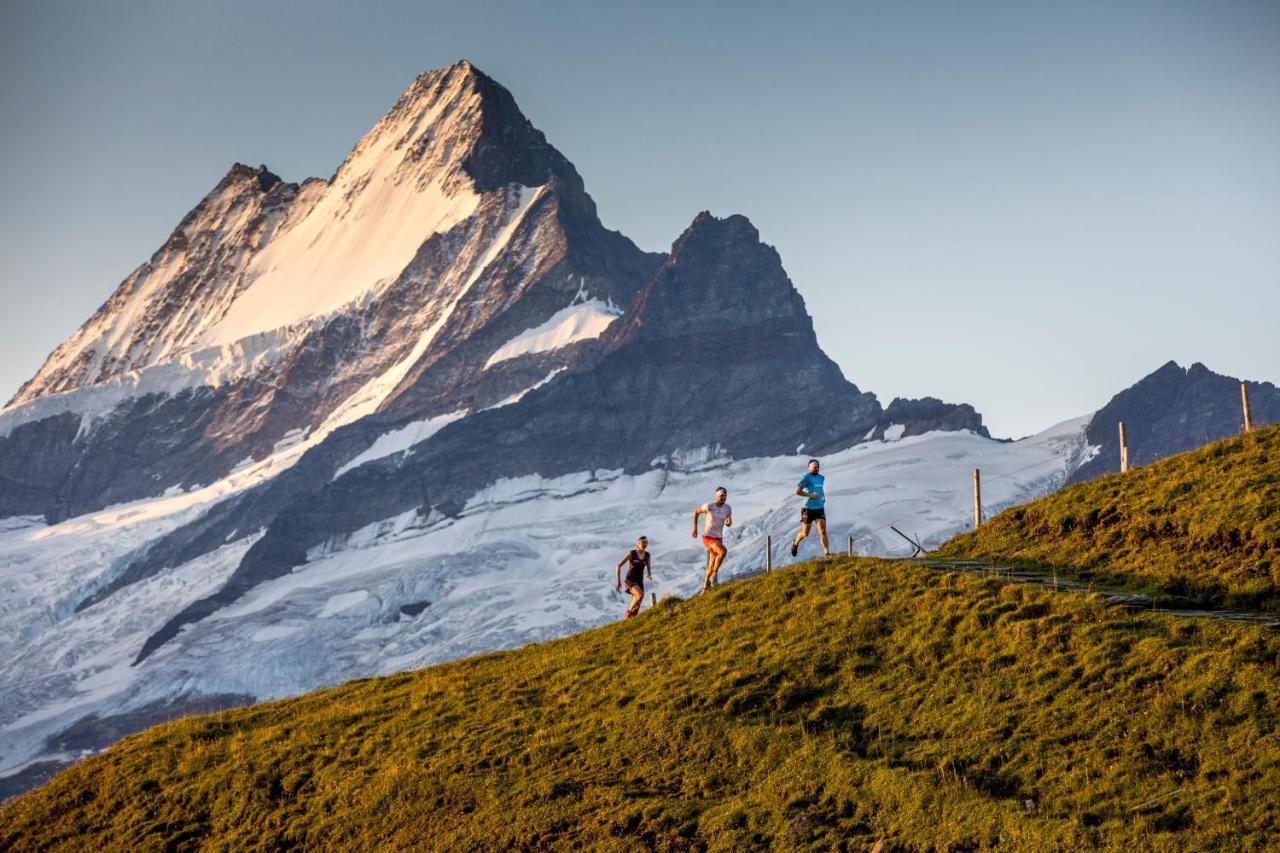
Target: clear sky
x=1023 y=206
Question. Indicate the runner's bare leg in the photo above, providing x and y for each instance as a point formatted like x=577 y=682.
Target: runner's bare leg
x=716 y=559
x=822 y=535
x=804 y=533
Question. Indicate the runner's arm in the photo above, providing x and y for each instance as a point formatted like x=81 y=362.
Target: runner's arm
x=697 y=512
x=648 y=564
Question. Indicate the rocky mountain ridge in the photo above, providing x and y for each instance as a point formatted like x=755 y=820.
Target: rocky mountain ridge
x=1171 y=410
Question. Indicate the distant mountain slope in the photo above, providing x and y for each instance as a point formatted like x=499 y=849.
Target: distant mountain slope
x=1203 y=524
x=1172 y=410
x=827 y=706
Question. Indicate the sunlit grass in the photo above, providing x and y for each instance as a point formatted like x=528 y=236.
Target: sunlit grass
x=1203 y=526
x=826 y=706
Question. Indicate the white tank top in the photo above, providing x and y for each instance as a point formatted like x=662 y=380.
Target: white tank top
x=713 y=525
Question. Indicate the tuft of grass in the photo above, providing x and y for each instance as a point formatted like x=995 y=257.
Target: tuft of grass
x=826 y=707
x=1202 y=526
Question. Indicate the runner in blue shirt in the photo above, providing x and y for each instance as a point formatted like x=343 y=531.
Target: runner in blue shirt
x=812 y=487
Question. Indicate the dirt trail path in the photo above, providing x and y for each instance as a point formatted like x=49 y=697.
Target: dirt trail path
x=1137 y=601
x=1048 y=580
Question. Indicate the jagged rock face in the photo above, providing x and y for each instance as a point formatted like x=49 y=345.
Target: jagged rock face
x=35 y=462
x=717 y=339
x=916 y=417
x=52 y=468
x=1172 y=410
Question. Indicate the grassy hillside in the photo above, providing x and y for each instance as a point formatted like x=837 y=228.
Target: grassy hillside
x=826 y=706
x=1203 y=525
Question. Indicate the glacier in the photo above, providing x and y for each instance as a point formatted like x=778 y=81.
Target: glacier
x=528 y=559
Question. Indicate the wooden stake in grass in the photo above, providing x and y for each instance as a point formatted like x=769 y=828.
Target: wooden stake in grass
x=850 y=544
x=653 y=599
x=768 y=553
x=1244 y=401
x=977 y=498
x=1124 y=450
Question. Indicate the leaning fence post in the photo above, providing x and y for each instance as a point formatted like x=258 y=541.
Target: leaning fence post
x=1244 y=401
x=977 y=498
x=850 y=544
x=653 y=599
x=1124 y=450
x=768 y=553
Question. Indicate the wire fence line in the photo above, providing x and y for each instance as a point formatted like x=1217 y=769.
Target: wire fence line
x=886 y=526
x=982 y=509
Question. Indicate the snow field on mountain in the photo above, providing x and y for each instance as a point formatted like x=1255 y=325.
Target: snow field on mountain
x=49 y=650
x=80 y=664
x=400 y=440
x=318 y=266
x=569 y=325
x=520 y=395
x=410 y=435
x=211 y=366
x=380 y=208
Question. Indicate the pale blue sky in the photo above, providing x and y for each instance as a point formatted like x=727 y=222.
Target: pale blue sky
x=1024 y=206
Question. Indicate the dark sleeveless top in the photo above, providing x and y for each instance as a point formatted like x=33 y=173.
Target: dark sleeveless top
x=636 y=563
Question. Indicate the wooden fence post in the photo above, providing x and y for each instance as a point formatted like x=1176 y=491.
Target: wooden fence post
x=1124 y=450
x=768 y=553
x=1244 y=401
x=653 y=599
x=977 y=498
x=850 y=544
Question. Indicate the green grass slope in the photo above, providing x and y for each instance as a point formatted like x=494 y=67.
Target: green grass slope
x=1203 y=525
x=826 y=706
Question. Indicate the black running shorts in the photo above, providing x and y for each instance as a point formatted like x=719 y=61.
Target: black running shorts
x=810 y=515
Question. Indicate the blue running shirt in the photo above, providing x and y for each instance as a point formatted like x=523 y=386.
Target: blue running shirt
x=813 y=483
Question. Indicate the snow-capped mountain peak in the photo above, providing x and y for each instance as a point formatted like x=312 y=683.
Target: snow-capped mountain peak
x=259 y=256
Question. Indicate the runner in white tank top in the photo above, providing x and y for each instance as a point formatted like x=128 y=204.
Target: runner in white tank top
x=713 y=524
x=719 y=516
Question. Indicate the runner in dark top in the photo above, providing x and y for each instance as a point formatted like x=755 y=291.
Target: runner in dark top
x=638 y=564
